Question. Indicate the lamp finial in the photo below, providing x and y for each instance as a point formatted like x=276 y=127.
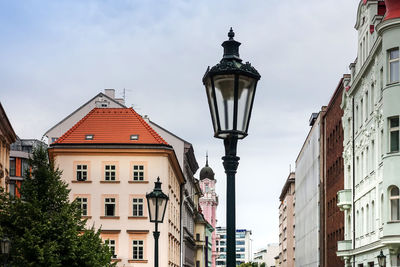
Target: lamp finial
x=231 y=34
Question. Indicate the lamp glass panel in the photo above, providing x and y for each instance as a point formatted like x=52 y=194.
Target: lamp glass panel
x=224 y=92
x=7 y=247
x=161 y=204
x=245 y=97
x=210 y=98
x=152 y=208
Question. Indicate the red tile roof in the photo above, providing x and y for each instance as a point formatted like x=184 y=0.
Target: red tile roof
x=111 y=126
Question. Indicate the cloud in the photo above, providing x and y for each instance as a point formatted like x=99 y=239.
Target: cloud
x=57 y=55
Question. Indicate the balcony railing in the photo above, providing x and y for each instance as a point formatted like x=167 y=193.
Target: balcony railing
x=344 y=199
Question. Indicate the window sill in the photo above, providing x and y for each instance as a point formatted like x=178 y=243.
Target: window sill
x=81 y=182
x=116 y=260
x=397 y=221
x=137 y=217
x=109 y=182
x=138 y=182
x=110 y=217
x=137 y=261
x=86 y=217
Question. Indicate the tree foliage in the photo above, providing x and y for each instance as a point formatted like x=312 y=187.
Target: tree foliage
x=44 y=227
x=252 y=264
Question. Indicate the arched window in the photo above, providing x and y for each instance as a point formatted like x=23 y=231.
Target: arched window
x=394 y=204
x=381 y=210
x=358 y=222
x=373 y=215
x=348 y=226
x=367 y=219
x=362 y=221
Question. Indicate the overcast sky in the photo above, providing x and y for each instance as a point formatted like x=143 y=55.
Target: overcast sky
x=56 y=55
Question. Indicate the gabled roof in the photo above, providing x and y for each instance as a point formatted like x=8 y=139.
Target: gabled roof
x=6 y=126
x=96 y=96
x=111 y=126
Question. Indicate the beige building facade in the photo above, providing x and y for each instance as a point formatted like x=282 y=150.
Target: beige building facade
x=287 y=223
x=7 y=137
x=110 y=177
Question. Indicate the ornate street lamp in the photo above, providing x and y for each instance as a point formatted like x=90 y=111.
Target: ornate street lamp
x=5 y=244
x=231 y=87
x=157 y=204
x=381 y=259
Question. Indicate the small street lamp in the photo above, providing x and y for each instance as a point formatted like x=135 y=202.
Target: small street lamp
x=5 y=244
x=231 y=87
x=381 y=259
x=157 y=204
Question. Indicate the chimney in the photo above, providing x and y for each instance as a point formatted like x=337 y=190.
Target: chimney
x=110 y=93
x=313 y=118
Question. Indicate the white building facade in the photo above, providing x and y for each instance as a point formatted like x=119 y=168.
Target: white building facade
x=267 y=255
x=307 y=197
x=243 y=246
x=371 y=140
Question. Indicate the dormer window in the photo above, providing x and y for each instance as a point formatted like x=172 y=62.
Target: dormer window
x=134 y=137
x=89 y=136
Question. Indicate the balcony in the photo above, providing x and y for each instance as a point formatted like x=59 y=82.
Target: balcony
x=344 y=199
x=344 y=248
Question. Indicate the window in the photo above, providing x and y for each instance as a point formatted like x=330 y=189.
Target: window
x=111 y=244
x=394 y=66
x=373 y=216
x=83 y=202
x=137 y=249
x=109 y=206
x=12 y=188
x=109 y=173
x=394 y=204
x=24 y=166
x=138 y=172
x=394 y=134
x=137 y=207
x=53 y=139
x=366 y=106
x=381 y=82
x=361 y=112
x=357 y=119
x=81 y=172
x=12 y=166
x=372 y=97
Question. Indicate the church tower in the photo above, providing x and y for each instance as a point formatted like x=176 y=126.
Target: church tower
x=209 y=202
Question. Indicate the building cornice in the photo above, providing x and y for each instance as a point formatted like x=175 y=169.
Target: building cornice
x=387 y=25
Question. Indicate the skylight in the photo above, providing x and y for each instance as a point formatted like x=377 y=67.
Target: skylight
x=134 y=137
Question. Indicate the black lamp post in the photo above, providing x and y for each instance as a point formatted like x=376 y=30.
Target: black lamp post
x=231 y=87
x=157 y=204
x=5 y=244
x=381 y=259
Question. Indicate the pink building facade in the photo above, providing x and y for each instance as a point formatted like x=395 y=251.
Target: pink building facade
x=209 y=203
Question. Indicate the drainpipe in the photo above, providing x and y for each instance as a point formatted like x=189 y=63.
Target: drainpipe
x=354 y=186
x=181 y=221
